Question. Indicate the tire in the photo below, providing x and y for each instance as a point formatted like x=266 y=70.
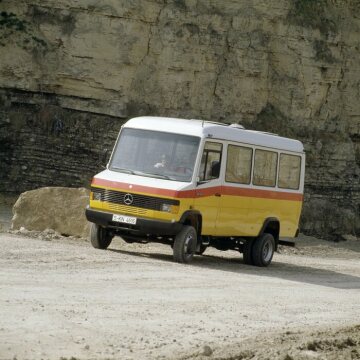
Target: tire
x=100 y=237
x=263 y=250
x=185 y=244
x=247 y=252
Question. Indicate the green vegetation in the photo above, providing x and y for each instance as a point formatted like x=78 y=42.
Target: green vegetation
x=14 y=29
x=322 y=52
x=10 y=21
x=315 y=14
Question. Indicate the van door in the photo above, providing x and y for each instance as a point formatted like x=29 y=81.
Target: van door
x=208 y=190
x=235 y=205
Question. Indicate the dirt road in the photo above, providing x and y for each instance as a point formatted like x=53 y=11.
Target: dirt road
x=61 y=299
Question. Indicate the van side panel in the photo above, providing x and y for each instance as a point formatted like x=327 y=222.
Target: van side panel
x=207 y=203
x=235 y=216
x=244 y=215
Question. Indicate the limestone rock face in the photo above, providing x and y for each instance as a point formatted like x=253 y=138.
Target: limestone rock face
x=57 y=208
x=73 y=71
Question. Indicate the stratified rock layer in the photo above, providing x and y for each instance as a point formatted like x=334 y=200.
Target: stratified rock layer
x=57 y=208
x=73 y=71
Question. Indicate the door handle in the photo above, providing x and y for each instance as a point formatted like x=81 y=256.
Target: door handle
x=217 y=194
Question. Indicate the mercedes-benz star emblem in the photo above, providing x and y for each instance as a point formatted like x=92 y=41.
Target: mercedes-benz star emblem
x=128 y=199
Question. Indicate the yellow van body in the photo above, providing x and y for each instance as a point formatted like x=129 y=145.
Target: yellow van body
x=155 y=207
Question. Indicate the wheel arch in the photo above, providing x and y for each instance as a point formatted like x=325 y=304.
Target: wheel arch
x=271 y=225
x=193 y=218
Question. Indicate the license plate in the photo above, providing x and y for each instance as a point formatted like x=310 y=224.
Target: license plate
x=124 y=219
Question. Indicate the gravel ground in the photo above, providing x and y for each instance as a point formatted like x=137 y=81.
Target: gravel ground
x=60 y=298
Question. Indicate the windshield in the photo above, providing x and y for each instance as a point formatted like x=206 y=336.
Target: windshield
x=155 y=154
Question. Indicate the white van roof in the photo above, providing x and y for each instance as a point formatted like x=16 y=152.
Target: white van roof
x=208 y=129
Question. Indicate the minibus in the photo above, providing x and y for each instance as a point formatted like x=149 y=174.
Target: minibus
x=192 y=184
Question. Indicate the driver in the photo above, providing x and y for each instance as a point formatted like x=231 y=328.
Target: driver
x=163 y=162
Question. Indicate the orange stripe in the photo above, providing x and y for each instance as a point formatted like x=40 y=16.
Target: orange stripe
x=138 y=188
x=196 y=193
x=266 y=194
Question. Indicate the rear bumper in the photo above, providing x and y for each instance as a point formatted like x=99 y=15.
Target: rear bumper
x=143 y=226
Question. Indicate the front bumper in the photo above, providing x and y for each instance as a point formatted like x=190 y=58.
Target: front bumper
x=143 y=227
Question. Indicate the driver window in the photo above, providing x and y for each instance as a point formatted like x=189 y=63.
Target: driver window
x=210 y=161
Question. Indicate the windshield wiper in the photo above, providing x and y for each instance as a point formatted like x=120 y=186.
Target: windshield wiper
x=159 y=176
x=136 y=172
x=127 y=171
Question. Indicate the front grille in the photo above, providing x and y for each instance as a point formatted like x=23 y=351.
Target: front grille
x=138 y=201
x=127 y=209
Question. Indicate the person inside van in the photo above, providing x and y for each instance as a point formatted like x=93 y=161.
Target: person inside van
x=215 y=169
x=162 y=163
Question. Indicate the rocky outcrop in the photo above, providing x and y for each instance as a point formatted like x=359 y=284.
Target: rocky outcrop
x=56 y=208
x=73 y=71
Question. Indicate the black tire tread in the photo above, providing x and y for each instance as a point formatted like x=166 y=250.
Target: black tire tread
x=99 y=237
x=257 y=249
x=179 y=243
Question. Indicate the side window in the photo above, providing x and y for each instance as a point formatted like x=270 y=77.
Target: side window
x=289 y=173
x=210 y=161
x=238 y=166
x=265 y=168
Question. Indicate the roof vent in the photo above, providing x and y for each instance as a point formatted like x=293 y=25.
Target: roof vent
x=236 y=126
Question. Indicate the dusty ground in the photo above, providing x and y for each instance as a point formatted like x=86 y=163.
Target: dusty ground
x=60 y=298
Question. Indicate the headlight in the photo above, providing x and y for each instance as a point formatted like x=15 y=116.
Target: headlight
x=170 y=208
x=166 y=207
x=97 y=196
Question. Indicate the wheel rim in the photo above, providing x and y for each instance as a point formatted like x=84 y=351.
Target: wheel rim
x=188 y=248
x=268 y=250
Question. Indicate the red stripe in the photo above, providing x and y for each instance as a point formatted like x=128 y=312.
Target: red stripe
x=136 y=188
x=224 y=190
x=266 y=194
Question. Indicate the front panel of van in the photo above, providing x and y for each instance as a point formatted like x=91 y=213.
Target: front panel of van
x=139 y=196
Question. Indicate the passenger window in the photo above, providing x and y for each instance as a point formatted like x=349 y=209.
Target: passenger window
x=210 y=161
x=289 y=172
x=265 y=168
x=238 y=166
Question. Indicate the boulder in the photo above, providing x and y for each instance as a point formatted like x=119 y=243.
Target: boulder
x=58 y=208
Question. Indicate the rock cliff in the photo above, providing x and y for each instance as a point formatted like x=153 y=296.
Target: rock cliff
x=72 y=71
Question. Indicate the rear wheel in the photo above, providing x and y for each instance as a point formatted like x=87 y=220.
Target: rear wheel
x=263 y=250
x=100 y=237
x=185 y=244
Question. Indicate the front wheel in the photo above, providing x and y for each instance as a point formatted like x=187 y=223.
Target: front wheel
x=185 y=244
x=263 y=250
x=100 y=237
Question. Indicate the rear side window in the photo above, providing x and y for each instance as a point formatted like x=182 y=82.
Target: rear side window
x=238 y=166
x=289 y=172
x=265 y=168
